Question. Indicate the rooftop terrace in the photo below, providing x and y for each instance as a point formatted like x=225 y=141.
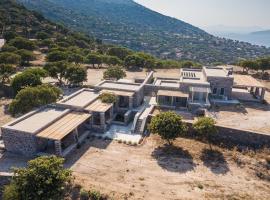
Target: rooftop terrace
x=216 y=72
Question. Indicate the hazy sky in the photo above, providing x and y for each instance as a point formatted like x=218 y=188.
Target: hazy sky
x=203 y=13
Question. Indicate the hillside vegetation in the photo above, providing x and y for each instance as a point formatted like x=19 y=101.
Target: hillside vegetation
x=134 y=26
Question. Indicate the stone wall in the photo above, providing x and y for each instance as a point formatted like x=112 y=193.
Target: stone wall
x=221 y=82
x=19 y=142
x=236 y=137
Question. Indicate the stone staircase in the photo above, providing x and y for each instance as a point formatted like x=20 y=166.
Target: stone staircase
x=138 y=126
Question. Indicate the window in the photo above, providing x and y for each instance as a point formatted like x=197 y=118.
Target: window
x=167 y=98
x=222 y=91
x=215 y=91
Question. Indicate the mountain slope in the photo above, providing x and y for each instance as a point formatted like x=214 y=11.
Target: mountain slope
x=132 y=25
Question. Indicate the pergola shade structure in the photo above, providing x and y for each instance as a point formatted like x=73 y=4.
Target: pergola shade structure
x=254 y=86
x=64 y=132
x=172 y=98
x=101 y=113
x=199 y=94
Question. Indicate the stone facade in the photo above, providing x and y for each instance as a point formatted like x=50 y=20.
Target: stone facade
x=221 y=82
x=19 y=142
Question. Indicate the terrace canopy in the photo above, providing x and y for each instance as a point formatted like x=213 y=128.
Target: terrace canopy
x=171 y=93
x=245 y=81
x=65 y=125
x=172 y=98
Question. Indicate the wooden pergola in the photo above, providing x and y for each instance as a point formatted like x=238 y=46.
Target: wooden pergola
x=246 y=81
x=63 y=127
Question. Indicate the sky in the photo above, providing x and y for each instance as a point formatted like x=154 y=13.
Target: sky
x=204 y=13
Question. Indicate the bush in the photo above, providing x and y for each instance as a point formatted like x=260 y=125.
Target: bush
x=107 y=97
x=30 y=77
x=95 y=195
x=205 y=126
x=168 y=125
x=43 y=178
x=84 y=195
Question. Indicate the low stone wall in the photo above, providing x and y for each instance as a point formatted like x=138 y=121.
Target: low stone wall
x=229 y=136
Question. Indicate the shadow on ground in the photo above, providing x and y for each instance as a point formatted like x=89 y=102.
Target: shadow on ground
x=173 y=159
x=215 y=161
x=73 y=157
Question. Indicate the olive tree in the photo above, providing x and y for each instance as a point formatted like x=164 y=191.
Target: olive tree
x=30 y=77
x=107 y=97
x=6 y=71
x=205 y=126
x=33 y=97
x=57 y=70
x=115 y=72
x=44 y=178
x=76 y=75
x=168 y=125
x=10 y=58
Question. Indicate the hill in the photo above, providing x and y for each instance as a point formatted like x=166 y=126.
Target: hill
x=132 y=25
x=266 y=32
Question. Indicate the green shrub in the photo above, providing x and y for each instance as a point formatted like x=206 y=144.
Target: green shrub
x=107 y=97
x=84 y=195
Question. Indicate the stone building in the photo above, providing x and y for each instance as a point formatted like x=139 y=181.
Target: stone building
x=60 y=128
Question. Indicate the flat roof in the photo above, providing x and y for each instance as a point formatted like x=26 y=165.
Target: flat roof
x=216 y=72
x=171 y=93
x=246 y=81
x=169 y=83
x=119 y=85
x=62 y=127
x=119 y=93
x=98 y=106
x=80 y=99
x=192 y=76
x=37 y=120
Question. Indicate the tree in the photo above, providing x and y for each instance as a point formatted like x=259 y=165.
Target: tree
x=56 y=55
x=187 y=64
x=111 y=60
x=22 y=43
x=94 y=59
x=8 y=48
x=168 y=125
x=248 y=64
x=42 y=35
x=57 y=70
x=119 y=52
x=9 y=58
x=205 y=126
x=33 y=97
x=76 y=58
x=263 y=64
x=134 y=60
x=26 y=56
x=31 y=77
x=44 y=178
x=9 y=35
x=115 y=72
x=6 y=70
x=76 y=75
